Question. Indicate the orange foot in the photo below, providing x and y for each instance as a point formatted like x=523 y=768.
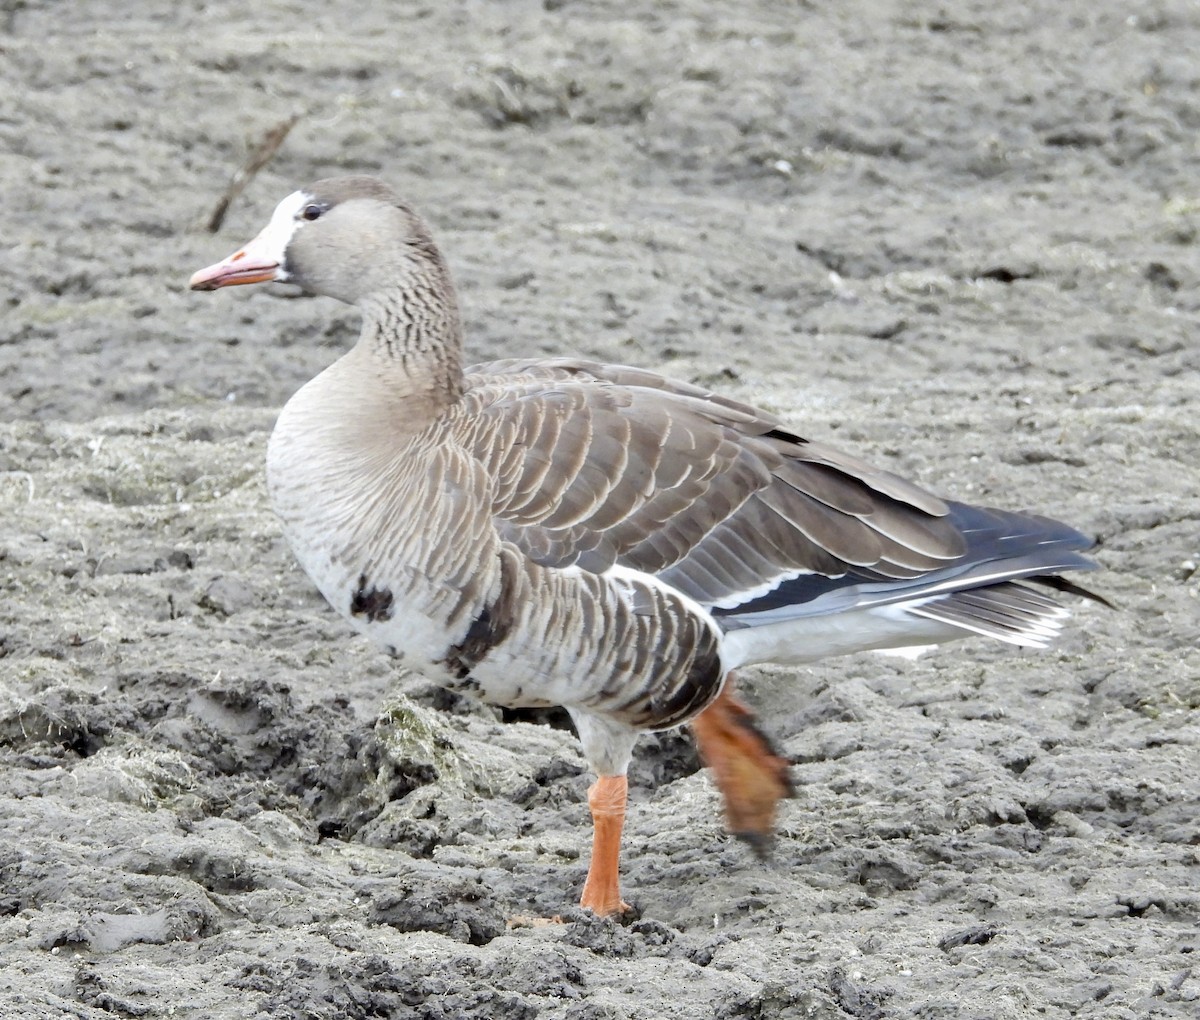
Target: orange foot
x=602 y=890
x=750 y=775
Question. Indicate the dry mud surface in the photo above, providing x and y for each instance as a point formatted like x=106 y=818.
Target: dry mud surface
x=962 y=243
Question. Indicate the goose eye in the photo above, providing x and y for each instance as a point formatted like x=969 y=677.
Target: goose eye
x=311 y=212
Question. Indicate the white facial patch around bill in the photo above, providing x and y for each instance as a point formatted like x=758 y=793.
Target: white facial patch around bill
x=272 y=241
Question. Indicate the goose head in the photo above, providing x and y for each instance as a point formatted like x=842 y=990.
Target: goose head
x=348 y=238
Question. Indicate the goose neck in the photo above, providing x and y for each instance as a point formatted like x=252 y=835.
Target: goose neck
x=414 y=341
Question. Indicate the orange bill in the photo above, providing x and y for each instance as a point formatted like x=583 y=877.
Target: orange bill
x=240 y=267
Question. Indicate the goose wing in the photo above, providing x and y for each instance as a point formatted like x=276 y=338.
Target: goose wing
x=597 y=466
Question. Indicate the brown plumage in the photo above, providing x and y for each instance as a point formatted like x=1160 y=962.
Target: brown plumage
x=597 y=536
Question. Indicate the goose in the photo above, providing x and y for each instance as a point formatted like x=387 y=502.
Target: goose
x=561 y=532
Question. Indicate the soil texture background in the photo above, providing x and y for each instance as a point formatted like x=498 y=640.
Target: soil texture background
x=960 y=240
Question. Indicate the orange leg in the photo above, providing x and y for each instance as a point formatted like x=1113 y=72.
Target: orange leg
x=602 y=890
x=750 y=775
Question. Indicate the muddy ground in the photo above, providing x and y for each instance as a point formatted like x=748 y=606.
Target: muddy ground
x=963 y=243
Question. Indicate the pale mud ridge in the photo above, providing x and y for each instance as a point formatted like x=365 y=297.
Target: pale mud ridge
x=963 y=244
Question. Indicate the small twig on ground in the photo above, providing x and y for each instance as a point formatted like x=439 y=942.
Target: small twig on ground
x=259 y=158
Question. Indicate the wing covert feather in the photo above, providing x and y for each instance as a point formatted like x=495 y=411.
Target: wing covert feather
x=597 y=465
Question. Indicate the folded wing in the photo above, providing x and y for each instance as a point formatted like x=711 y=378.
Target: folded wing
x=597 y=466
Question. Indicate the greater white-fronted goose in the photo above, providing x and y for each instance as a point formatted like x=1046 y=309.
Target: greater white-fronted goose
x=560 y=532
